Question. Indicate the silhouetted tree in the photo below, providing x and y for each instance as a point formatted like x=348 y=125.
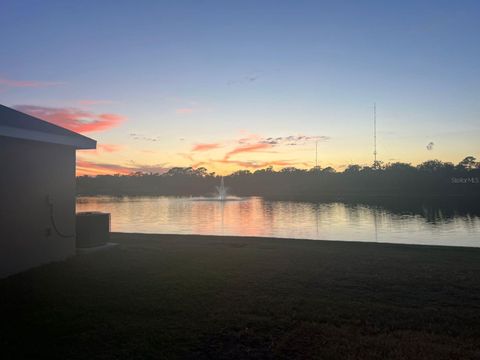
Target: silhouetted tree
x=435 y=165
x=352 y=169
x=469 y=163
x=378 y=165
x=315 y=170
x=329 y=170
x=399 y=166
x=430 y=178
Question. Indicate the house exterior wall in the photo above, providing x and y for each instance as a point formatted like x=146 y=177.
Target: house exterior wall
x=30 y=173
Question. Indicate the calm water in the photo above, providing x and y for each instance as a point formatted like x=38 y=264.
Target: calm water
x=257 y=217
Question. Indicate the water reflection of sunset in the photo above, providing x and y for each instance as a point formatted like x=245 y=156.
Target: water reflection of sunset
x=257 y=217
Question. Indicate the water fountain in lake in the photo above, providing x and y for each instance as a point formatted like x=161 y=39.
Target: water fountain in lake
x=221 y=194
x=221 y=190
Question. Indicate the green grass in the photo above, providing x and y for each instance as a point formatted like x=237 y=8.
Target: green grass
x=211 y=297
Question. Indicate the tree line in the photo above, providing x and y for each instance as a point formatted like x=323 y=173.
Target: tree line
x=432 y=178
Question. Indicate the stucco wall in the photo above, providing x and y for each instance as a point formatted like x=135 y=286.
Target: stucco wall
x=30 y=172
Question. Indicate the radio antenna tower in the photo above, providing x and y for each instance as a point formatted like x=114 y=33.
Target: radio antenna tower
x=374 y=134
x=316 y=154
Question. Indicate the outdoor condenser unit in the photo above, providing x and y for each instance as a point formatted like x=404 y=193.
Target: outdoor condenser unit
x=93 y=229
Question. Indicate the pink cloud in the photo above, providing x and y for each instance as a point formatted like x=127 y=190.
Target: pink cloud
x=260 y=164
x=206 y=146
x=247 y=149
x=249 y=138
x=88 y=102
x=184 y=111
x=109 y=147
x=27 y=83
x=86 y=167
x=77 y=120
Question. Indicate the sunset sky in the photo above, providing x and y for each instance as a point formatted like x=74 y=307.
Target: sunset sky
x=247 y=84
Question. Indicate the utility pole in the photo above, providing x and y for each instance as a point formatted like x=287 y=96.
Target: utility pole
x=374 y=134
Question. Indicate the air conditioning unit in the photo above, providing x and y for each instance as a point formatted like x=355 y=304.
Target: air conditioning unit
x=93 y=229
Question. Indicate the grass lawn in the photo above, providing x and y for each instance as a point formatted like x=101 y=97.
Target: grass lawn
x=199 y=297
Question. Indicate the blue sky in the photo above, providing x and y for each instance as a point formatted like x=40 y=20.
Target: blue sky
x=187 y=73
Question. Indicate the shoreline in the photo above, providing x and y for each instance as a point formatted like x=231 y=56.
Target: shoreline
x=222 y=238
x=343 y=197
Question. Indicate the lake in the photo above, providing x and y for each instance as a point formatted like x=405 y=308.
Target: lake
x=254 y=216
